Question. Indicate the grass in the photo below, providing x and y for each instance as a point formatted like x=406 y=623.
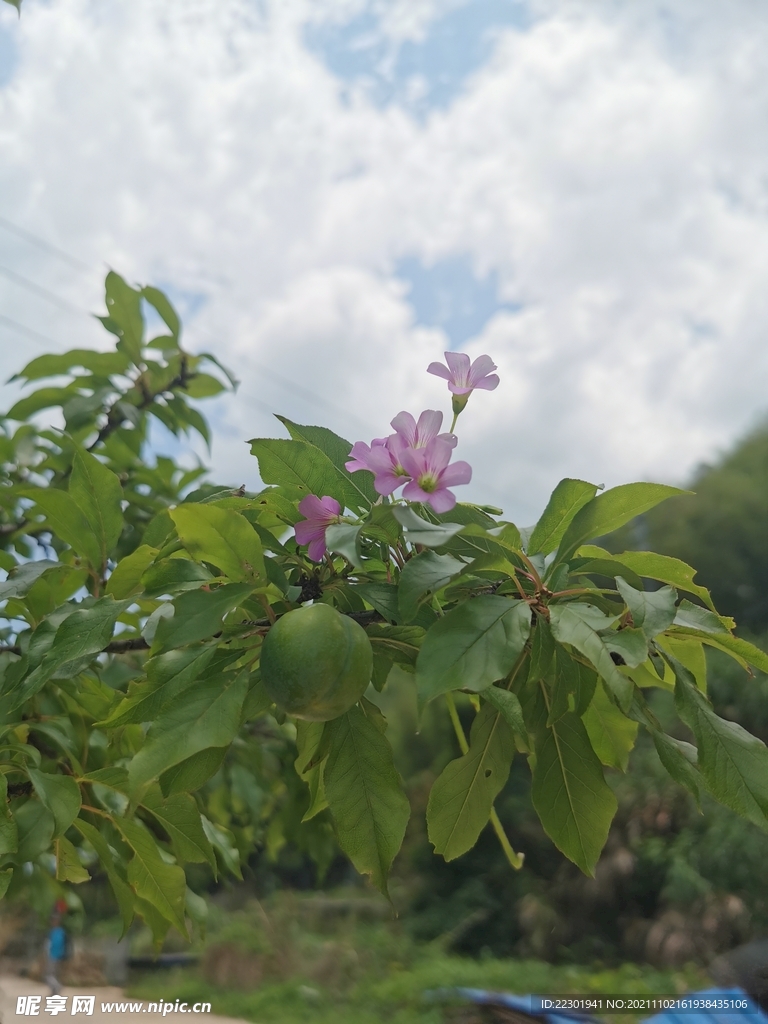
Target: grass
x=347 y=971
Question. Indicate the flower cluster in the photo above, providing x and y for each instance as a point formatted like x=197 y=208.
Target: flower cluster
x=416 y=457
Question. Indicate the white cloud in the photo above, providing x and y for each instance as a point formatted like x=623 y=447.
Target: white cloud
x=608 y=163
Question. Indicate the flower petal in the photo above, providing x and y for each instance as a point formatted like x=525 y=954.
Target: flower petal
x=481 y=367
x=405 y=425
x=414 y=461
x=450 y=439
x=442 y=500
x=437 y=455
x=317 y=549
x=457 y=473
x=308 y=531
x=488 y=383
x=312 y=507
x=413 y=492
x=439 y=370
x=458 y=364
x=428 y=427
x=386 y=483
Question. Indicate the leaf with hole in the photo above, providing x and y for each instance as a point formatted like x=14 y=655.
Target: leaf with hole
x=462 y=796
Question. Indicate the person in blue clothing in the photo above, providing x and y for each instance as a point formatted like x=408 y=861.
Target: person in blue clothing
x=57 y=949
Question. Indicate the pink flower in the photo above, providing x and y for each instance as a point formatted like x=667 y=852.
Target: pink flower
x=431 y=476
x=384 y=456
x=361 y=454
x=320 y=514
x=418 y=435
x=463 y=378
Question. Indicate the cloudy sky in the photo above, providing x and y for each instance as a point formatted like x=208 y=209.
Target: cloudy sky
x=335 y=191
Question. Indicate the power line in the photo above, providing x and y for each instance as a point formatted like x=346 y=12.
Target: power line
x=73 y=261
x=24 y=282
x=16 y=326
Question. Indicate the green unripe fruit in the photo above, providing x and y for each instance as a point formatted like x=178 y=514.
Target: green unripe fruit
x=316 y=663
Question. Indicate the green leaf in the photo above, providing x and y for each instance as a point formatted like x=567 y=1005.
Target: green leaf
x=43 y=398
x=428 y=571
x=301 y=464
x=570 y=628
x=36 y=825
x=630 y=644
x=652 y=611
x=68 y=865
x=223 y=842
x=9 y=833
x=568 y=789
x=741 y=650
x=462 y=796
x=161 y=885
x=124 y=317
x=101 y=364
x=66 y=520
x=23 y=577
x=188 y=776
x=222 y=537
x=690 y=652
x=209 y=716
x=120 y=888
x=694 y=617
x=17 y=5
x=198 y=615
x=168 y=675
x=180 y=818
x=160 y=302
x=308 y=764
x=60 y=794
x=97 y=493
x=83 y=634
x=610 y=510
x=344 y=539
x=173 y=575
x=7 y=875
x=472 y=646
x=567 y=498
x=337 y=449
x=666 y=570
x=733 y=762
x=508 y=705
x=419 y=531
x=365 y=795
x=611 y=733
x=125 y=581
x=382 y=597
x=397 y=643
x=680 y=760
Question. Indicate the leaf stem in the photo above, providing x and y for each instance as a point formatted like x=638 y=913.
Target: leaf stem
x=514 y=859
x=457 y=727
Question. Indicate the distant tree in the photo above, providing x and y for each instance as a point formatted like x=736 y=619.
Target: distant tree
x=723 y=530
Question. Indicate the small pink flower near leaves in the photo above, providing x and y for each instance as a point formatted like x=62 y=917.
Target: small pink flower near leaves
x=462 y=377
x=431 y=476
x=418 y=435
x=320 y=514
x=383 y=457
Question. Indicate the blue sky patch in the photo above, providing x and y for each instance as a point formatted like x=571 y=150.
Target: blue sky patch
x=422 y=75
x=8 y=51
x=449 y=295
